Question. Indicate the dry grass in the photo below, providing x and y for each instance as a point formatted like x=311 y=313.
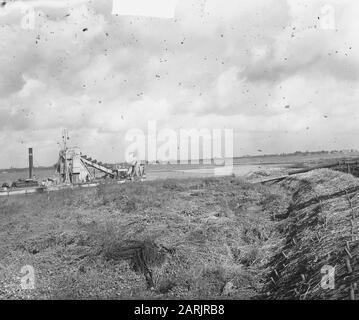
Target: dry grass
x=215 y=231
x=320 y=229
x=211 y=234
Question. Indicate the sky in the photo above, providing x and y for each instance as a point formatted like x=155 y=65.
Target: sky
x=283 y=74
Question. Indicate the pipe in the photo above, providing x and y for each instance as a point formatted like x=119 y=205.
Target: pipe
x=31 y=163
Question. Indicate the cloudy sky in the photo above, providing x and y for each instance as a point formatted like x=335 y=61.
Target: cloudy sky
x=282 y=73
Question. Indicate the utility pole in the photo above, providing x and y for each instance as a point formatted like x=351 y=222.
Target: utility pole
x=65 y=137
x=31 y=163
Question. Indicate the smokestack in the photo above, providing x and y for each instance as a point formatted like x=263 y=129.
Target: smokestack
x=31 y=163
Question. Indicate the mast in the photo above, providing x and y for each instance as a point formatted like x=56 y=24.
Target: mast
x=65 y=137
x=31 y=163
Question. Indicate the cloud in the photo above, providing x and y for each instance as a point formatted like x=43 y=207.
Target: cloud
x=267 y=69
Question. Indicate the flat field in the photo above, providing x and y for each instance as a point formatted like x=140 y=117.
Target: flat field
x=242 y=167
x=191 y=236
x=218 y=234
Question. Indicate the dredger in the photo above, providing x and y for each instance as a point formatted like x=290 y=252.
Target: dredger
x=74 y=169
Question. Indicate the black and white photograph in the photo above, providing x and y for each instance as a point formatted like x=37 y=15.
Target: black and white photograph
x=179 y=150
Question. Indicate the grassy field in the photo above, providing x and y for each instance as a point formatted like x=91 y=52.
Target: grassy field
x=193 y=237
x=218 y=234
